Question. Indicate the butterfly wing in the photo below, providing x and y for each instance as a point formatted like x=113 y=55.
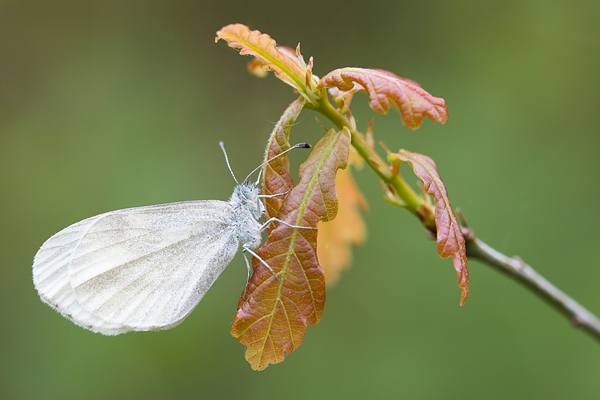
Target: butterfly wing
x=137 y=269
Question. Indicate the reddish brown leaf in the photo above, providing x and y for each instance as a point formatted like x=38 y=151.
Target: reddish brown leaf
x=289 y=69
x=275 y=178
x=272 y=314
x=450 y=241
x=336 y=238
x=382 y=86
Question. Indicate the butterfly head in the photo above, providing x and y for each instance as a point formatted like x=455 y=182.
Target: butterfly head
x=247 y=196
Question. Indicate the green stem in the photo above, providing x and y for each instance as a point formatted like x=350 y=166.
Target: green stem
x=411 y=201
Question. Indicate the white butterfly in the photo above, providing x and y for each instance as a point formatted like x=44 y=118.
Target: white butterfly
x=146 y=268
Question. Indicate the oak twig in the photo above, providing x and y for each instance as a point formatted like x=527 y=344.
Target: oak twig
x=476 y=249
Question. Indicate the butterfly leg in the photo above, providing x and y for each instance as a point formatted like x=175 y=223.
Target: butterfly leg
x=247 y=249
x=264 y=226
x=269 y=196
x=247 y=265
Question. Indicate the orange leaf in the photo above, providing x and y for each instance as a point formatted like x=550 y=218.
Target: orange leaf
x=256 y=69
x=275 y=178
x=334 y=244
x=272 y=313
x=450 y=241
x=289 y=69
x=382 y=86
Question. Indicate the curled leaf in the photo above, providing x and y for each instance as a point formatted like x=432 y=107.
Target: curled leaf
x=336 y=238
x=275 y=176
x=382 y=87
x=450 y=241
x=288 y=68
x=256 y=69
x=273 y=313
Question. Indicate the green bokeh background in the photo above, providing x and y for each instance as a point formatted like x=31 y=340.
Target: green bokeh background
x=112 y=104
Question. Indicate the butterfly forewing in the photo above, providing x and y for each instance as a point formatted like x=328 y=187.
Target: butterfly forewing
x=142 y=268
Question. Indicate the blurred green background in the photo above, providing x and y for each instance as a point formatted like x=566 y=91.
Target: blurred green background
x=114 y=104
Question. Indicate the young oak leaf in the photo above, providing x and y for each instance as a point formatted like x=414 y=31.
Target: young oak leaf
x=275 y=177
x=382 y=87
x=273 y=312
x=336 y=238
x=450 y=241
x=260 y=45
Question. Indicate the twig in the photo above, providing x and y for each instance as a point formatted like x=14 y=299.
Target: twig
x=513 y=267
x=524 y=274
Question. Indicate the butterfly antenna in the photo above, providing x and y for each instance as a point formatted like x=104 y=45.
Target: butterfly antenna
x=227 y=161
x=296 y=146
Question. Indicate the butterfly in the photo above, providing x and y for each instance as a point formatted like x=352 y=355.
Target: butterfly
x=147 y=268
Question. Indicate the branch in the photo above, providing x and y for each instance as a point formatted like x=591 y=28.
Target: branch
x=513 y=267
x=528 y=277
